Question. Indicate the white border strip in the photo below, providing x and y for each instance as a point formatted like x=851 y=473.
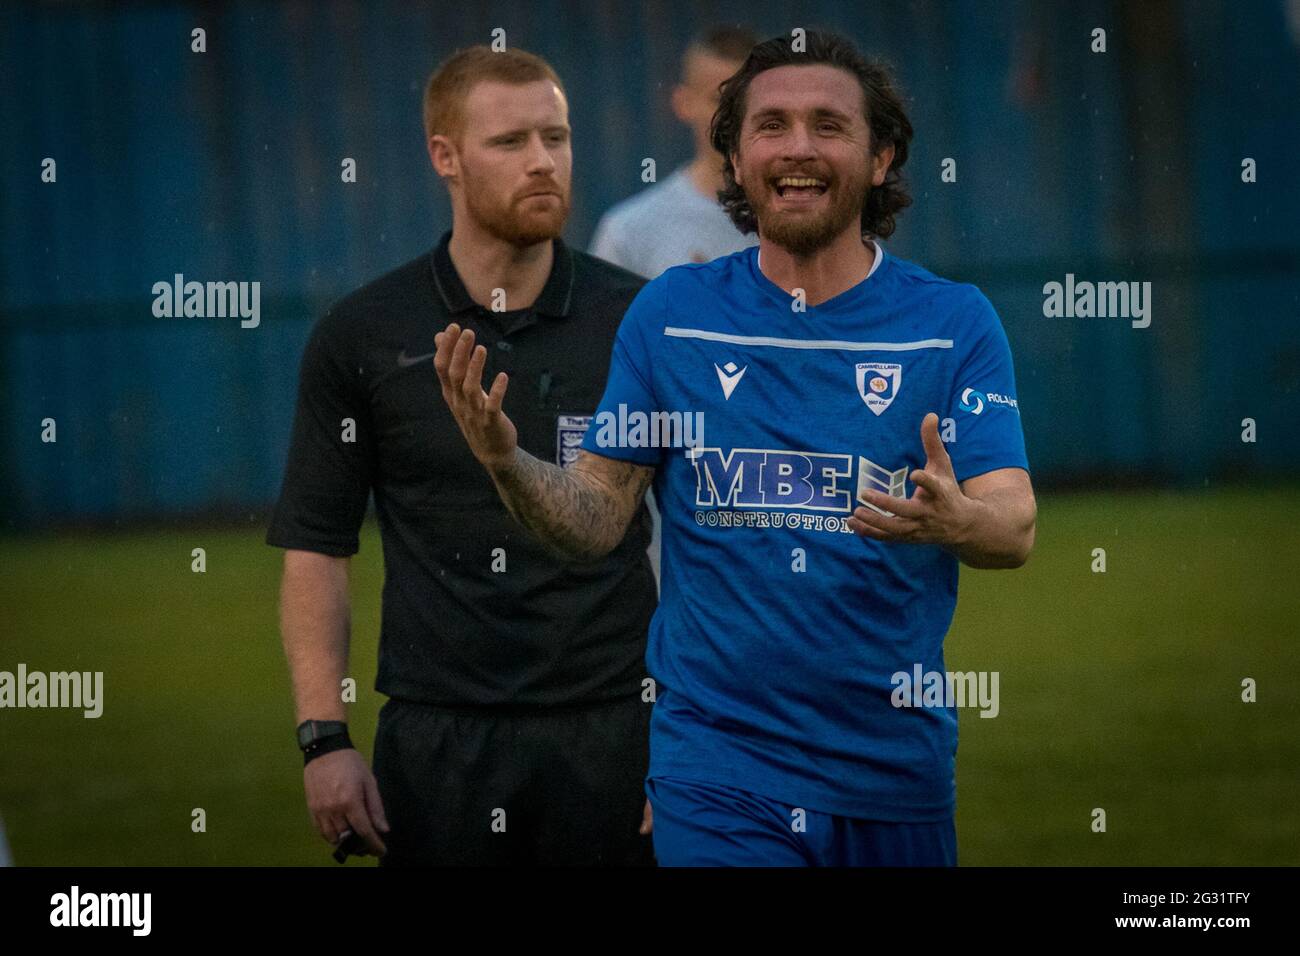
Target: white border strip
x=680 y=333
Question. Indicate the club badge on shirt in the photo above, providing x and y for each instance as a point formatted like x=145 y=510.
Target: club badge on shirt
x=569 y=431
x=878 y=383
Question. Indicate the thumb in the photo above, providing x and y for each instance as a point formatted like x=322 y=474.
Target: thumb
x=935 y=452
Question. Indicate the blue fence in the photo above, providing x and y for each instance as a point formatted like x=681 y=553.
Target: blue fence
x=224 y=165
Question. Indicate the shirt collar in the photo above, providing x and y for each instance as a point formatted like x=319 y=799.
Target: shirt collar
x=553 y=301
x=875 y=263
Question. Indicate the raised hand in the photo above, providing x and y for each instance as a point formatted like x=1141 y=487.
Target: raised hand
x=937 y=513
x=488 y=430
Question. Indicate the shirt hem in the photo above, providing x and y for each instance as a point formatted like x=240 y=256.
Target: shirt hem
x=799 y=794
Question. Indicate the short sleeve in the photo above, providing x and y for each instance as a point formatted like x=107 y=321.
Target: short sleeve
x=983 y=403
x=327 y=477
x=629 y=392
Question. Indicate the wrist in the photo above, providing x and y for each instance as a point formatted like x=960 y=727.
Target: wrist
x=319 y=737
x=326 y=745
x=500 y=466
x=966 y=526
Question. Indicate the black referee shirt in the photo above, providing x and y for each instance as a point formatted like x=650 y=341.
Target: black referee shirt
x=475 y=612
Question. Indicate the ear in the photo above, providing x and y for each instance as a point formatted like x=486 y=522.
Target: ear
x=735 y=168
x=443 y=157
x=881 y=163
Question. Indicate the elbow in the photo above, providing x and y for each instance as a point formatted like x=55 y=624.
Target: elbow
x=1015 y=555
x=1020 y=556
x=577 y=551
x=599 y=550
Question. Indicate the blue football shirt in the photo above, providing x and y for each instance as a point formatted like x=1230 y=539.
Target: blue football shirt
x=778 y=629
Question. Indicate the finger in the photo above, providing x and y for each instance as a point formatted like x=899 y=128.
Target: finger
x=866 y=531
x=896 y=527
x=498 y=394
x=460 y=359
x=935 y=452
x=930 y=482
x=325 y=828
x=333 y=827
x=904 y=507
x=359 y=820
x=472 y=387
x=375 y=806
x=443 y=343
x=647 y=820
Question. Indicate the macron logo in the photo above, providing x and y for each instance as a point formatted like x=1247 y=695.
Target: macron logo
x=730 y=378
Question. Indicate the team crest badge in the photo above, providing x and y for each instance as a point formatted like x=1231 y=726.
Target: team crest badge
x=878 y=383
x=569 y=432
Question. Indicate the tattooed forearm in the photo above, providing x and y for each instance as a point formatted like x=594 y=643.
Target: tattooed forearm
x=580 y=513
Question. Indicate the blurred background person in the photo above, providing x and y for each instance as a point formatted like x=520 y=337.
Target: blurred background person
x=679 y=219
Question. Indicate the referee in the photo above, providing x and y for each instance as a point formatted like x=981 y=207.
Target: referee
x=515 y=730
x=811 y=541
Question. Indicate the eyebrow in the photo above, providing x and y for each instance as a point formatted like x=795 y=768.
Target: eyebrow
x=525 y=130
x=821 y=112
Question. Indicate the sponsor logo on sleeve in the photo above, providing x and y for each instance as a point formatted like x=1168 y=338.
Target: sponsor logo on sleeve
x=973 y=401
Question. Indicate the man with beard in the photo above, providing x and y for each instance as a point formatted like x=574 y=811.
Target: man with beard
x=515 y=730
x=799 y=576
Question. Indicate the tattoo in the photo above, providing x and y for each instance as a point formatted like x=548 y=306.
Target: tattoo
x=582 y=512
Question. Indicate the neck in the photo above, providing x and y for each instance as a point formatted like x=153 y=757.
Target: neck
x=486 y=263
x=706 y=173
x=826 y=273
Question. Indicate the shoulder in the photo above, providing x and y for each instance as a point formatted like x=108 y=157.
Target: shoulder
x=411 y=279
x=346 y=320
x=599 y=284
x=691 y=283
x=959 y=302
x=692 y=289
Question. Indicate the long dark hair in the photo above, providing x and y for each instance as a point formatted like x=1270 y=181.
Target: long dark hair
x=884 y=114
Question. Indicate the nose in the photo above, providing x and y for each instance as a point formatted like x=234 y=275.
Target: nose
x=540 y=159
x=798 y=143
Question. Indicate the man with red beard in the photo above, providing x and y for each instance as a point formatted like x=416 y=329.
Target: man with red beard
x=803 y=587
x=516 y=730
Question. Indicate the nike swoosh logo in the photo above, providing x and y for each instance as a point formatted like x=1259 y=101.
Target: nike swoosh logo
x=404 y=360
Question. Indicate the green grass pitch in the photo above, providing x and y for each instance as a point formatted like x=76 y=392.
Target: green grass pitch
x=1119 y=691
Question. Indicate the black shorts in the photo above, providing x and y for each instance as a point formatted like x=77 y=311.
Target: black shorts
x=565 y=786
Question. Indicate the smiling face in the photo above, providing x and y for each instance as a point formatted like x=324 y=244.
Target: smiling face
x=803 y=155
x=512 y=162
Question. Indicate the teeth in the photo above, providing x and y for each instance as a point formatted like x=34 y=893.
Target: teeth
x=798 y=181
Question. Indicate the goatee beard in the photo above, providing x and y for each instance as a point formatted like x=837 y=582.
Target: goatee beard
x=510 y=225
x=803 y=236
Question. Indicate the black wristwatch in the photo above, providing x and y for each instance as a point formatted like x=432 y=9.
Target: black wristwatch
x=319 y=737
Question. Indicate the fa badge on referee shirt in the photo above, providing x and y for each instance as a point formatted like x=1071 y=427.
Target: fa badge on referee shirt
x=878 y=383
x=569 y=432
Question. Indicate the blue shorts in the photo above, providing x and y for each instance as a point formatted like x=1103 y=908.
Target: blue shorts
x=705 y=824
